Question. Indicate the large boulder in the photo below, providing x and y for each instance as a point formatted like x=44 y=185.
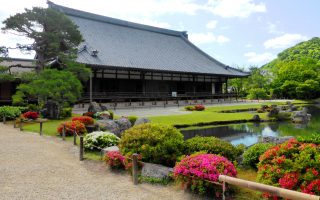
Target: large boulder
x=141 y=121
x=256 y=118
x=109 y=125
x=156 y=171
x=301 y=116
x=95 y=107
x=123 y=123
x=275 y=140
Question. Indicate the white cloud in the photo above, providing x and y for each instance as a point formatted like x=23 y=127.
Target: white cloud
x=284 y=41
x=203 y=38
x=273 y=29
x=253 y=57
x=235 y=8
x=212 y=24
x=248 y=45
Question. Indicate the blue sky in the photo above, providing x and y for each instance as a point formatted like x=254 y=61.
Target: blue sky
x=236 y=32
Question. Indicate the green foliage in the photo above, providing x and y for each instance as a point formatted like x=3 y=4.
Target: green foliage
x=11 y=112
x=153 y=180
x=65 y=112
x=157 y=143
x=18 y=99
x=111 y=114
x=257 y=93
x=53 y=33
x=81 y=71
x=314 y=138
x=5 y=75
x=132 y=119
x=34 y=107
x=61 y=87
x=212 y=145
x=99 y=140
x=252 y=154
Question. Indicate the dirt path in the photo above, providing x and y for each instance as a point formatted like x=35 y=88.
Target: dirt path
x=34 y=167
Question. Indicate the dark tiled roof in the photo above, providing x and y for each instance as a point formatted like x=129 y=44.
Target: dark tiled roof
x=124 y=44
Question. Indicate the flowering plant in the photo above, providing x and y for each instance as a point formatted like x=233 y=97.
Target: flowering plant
x=291 y=165
x=89 y=114
x=99 y=139
x=71 y=126
x=30 y=115
x=195 y=169
x=115 y=160
x=199 y=107
x=84 y=119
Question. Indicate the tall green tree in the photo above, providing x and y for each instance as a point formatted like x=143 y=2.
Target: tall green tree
x=61 y=87
x=53 y=33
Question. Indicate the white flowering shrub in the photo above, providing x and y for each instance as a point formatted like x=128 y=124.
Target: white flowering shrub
x=99 y=140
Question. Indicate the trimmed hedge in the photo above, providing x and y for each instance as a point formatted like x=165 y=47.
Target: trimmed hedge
x=252 y=154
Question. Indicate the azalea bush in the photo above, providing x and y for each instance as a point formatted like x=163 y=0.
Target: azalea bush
x=99 y=140
x=30 y=115
x=71 y=126
x=194 y=171
x=198 y=107
x=314 y=138
x=89 y=114
x=212 y=145
x=115 y=160
x=252 y=154
x=84 y=119
x=292 y=165
x=157 y=143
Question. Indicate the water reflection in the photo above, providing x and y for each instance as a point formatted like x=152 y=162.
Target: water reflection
x=249 y=133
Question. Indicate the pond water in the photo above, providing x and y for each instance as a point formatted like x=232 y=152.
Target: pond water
x=249 y=133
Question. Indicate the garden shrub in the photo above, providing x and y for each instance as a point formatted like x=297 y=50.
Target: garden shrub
x=252 y=154
x=102 y=115
x=71 y=126
x=115 y=160
x=314 y=138
x=99 y=140
x=193 y=170
x=34 y=107
x=157 y=143
x=84 y=119
x=132 y=119
x=89 y=114
x=111 y=114
x=11 y=112
x=211 y=145
x=66 y=112
x=30 y=115
x=292 y=165
x=199 y=107
x=189 y=108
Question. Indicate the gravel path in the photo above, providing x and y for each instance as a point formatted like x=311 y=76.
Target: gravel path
x=34 y=167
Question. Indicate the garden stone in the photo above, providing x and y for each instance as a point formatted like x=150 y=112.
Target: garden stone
x=104 y=151
x=256 y=118
x=301 y=116
x=51 y=109
x=95 y=107
x=156 y=171
x=141 y=121
x=109 y=125
x=275 y=140
x=123 y=124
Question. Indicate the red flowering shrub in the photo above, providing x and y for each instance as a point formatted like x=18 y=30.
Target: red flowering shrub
x=194 y=169
x=292 y=165
x=199 y=107
x=30 y=115
x=89 y=114
x=84 y=119
x=71 y=126
x=115 y=160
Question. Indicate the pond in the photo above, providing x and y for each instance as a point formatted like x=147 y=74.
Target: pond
x=249 y=133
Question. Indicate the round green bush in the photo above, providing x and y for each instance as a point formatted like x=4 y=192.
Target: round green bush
x=252 y=154
x=212 y=145
x=157 y=143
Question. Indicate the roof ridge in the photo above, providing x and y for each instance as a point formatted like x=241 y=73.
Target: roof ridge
x=111 y=20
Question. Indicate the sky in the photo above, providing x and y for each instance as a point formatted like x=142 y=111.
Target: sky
x=239 y=33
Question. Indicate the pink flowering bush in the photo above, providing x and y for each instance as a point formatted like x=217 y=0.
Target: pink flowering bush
x=292 y=165
x=193 y=170
x=115 y=160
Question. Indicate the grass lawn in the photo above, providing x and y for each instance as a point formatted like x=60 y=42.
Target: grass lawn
x=244 y=193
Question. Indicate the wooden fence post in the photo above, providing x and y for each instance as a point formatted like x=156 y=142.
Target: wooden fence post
x=4 y=119
x=64 y=132
x=81 y=148
x=75 y=137
x=135 y=168
x=41 y=128
x=21 y=125
x=14 y=123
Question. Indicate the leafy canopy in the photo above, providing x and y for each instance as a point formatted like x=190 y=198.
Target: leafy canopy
x=53 y=33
